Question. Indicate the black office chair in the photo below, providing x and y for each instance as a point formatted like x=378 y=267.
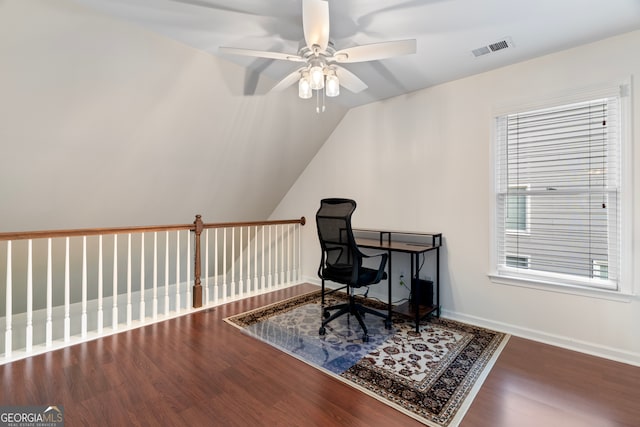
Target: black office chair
x=341 y=261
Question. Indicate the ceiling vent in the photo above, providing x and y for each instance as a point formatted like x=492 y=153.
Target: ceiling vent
x=493 y=47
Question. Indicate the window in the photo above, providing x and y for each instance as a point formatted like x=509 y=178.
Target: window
x=517 y=209
x=517 y=261
x=600 y=269
x=558 y=193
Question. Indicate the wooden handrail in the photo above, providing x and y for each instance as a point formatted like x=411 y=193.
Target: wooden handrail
x=43 y=234
x=24 y=235
x=196 y=227
x=301 y=221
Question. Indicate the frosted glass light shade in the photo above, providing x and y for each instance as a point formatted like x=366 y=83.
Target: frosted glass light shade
x=304 y=87
x=332 y=87
x=316 y=75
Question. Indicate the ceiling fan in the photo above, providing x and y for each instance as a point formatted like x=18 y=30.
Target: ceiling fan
x=320 y=69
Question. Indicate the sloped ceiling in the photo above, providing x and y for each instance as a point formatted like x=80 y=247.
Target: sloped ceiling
x=105 y=123
x=447 y=31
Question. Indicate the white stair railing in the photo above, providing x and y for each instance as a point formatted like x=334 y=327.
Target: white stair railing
x=54 y=292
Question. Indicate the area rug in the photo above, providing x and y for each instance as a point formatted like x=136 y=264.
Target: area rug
x=431 y=375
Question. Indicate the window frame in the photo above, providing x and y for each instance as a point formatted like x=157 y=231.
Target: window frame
x=559 y=282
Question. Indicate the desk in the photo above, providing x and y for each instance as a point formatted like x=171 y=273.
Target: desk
x=427 y=242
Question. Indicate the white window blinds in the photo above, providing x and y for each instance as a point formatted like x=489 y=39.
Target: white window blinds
x=557 y=193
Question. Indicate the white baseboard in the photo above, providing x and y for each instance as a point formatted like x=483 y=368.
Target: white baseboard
x=569 y=343
x=547 y=338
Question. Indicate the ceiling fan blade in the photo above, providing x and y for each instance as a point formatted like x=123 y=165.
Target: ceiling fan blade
x=349 y=80
x=206 y=4
x=375 y=51
x=315 y=23
x=287 y=81
x=261 y=54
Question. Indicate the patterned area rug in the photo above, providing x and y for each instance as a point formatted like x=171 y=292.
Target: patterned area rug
x=432 y=375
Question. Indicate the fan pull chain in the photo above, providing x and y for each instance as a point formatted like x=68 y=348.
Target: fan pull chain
x=318 y=108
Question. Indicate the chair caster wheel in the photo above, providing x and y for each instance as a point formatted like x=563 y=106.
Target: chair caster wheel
x=365 y=338
x=326 y=314
x=322 y=330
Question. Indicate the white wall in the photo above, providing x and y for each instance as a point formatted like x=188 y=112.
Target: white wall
x=103 y=123
x=422 y=162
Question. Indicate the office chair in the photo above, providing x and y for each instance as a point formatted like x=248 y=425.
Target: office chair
x=341 y=261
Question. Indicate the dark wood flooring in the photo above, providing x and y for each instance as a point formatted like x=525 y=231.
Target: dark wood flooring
x=197 y=370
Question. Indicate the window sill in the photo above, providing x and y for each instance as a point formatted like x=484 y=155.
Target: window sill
x=618 y=296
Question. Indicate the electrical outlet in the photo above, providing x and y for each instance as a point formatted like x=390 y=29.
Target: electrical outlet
x=401 y=280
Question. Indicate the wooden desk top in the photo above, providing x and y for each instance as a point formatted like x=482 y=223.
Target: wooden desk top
x=415 y=233
x=394 y=246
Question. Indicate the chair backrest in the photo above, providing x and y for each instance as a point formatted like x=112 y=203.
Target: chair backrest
x=340 y=255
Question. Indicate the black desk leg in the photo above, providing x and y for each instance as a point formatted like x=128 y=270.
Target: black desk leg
x=416 y=287
x=438 y=279
x=389 y=283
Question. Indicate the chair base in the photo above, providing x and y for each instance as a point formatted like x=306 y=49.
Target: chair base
x=355 y=309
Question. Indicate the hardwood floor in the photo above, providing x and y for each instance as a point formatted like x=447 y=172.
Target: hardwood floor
x=198 y=370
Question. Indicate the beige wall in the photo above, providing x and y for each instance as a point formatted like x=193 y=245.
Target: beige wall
x=103 y=123
x=422 y=162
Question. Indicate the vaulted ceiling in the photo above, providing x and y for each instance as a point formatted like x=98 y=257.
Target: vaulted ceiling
x=447 y=33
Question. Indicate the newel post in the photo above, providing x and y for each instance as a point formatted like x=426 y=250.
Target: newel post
x=197 y=286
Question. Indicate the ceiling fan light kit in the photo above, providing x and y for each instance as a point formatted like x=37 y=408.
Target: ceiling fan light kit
x=321 y=72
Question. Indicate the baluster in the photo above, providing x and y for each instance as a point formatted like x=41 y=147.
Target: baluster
x=49 y=325
x=29 y=329
x=262 y=277
x=294 y=237
x=143 y=314
x=299 y=260
x=248 y=251
x=224 y=264
x=177 y=271
x=67 y=292
x=83 y=317
x=188 y=263
x=256 y=284
x=155 y=275
x=129 y=309
x=206 y=266
x=8 y=333
x=100 y=311
x=292 y=248
x=276 y=264
x=270 y=276
x=216 y=280
x=166 y=273
x=283 y=247
x=240 y=273
x=114 y=310
x=288 y=253
x=233 y=262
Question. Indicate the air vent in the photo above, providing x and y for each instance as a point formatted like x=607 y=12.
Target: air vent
x=493 y=47
x=499 y=46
